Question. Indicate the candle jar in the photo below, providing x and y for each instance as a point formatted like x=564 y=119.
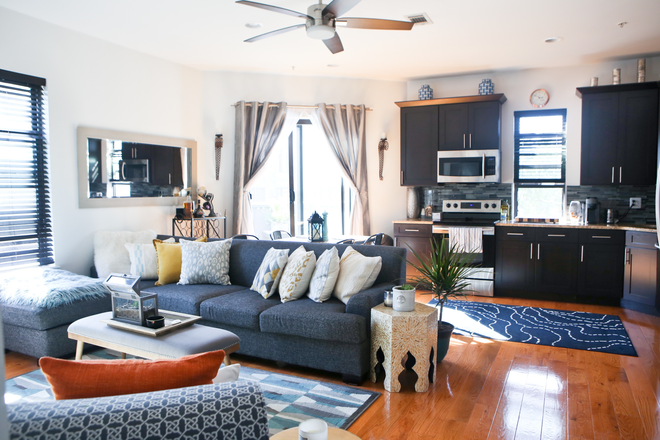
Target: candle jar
x=387 y=298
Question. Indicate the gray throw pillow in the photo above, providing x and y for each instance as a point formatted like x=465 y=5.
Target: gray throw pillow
x=205 y=263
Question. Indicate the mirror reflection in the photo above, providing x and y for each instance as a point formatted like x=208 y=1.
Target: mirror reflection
x=121 y=169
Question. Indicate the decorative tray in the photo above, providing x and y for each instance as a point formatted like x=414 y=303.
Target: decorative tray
x=184 y=319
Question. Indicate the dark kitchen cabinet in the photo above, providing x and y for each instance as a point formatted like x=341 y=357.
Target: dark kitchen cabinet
x=556 y=268
x=130 y=150
x=445 y=124
x=418 y=237
x=641 y=276
x=619 y=134
x=419 y=145
x=166 y=166
x=601 y=264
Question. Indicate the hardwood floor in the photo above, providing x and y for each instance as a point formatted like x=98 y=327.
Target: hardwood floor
x=488 y=390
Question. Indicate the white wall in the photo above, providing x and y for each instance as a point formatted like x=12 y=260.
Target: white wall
x=517 y=86
x=97 y=84
x=222 y=89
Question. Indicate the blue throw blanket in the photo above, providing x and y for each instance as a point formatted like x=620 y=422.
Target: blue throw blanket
x=48 y=288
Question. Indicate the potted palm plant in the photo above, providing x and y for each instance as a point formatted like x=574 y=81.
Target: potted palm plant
x=443 y=274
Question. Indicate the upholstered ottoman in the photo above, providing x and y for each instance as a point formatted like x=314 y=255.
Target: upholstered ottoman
x=181 y=342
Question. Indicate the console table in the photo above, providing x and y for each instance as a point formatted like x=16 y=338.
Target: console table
x=400 y=333
x=200 y=227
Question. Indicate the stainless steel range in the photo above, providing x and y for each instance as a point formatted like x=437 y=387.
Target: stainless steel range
x=461 y=221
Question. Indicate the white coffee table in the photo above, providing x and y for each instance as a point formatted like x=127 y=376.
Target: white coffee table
x=185 y=341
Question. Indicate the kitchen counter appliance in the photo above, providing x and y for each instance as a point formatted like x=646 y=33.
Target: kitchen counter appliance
x=468 y=166
x=481 y=214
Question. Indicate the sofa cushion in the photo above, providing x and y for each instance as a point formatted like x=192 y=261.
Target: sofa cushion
x=241 y=309
x=143 y=259
x=110 y=254
x=203 y=263
x=270 y=271
x=297 y=274
x=309 y=319
x=186 y=299
x=325 y=276
x=356 y=273
x=40 y=318
x=168 y=259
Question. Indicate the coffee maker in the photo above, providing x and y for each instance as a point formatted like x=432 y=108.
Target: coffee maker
x=592 y=216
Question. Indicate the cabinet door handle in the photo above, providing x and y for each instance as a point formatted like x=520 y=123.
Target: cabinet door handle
x=620 y=174
x=411 y=230
x=612 y=174
x=538 y=251
x=582 y=254
x=556 y=235
x=169 y=177
x=627 y=261
x=470 y=140
x=401 y=178
x=601 y=236
x=463 y=140
x=514 y=233
x=531 y=251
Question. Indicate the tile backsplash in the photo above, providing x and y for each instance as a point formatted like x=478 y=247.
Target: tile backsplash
x=609 y=197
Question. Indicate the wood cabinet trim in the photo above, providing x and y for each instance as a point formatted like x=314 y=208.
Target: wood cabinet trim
x=454 y=100
x=649 y=85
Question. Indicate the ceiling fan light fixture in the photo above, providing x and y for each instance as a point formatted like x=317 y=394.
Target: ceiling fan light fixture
x=321 y=32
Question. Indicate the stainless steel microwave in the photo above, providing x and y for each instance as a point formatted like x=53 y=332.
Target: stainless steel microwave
x=134 y=170
x=468 y=166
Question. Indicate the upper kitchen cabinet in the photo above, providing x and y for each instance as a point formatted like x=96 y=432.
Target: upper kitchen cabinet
x=619 y=134
x=466 y=122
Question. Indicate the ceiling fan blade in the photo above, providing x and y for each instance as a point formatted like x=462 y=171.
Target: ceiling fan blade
x=274 y=9
x=339 y=7
x=374 y=23
x=273 y=33
x=334 y=44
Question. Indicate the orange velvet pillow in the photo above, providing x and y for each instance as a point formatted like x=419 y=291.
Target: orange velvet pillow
x=98 y=378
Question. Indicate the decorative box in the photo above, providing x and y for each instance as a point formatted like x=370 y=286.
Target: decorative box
x=128 y=304
x=426 y=92
x=486 y=87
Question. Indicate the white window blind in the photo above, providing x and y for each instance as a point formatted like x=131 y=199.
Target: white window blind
x=540 y=146
x=25 y=227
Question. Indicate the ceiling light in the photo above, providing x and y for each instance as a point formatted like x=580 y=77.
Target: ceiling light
x=333 y=65
x=321 y=32
x=253 y=25
x=553 y=40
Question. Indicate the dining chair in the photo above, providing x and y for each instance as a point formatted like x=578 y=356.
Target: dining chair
x=278 y=235
x=245 y=237
x=374 y=239
x=346 y=241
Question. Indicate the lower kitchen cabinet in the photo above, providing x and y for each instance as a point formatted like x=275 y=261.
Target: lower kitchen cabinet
x=641 y=275
x=418 y=237
x=559 y=261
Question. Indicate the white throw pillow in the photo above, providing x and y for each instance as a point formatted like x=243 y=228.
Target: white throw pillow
x=268 y=276
x=144 y=262
x=110 y=254
x=297 y=274
x=205 y=263
x=356 y=273
x=325 y=275
x=228 y=374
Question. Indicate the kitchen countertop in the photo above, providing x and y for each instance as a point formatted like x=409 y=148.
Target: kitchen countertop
x=414 y=221
x=617 y=227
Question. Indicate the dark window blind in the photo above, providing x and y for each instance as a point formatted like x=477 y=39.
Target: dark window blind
x=540 y=146
x=25 y=228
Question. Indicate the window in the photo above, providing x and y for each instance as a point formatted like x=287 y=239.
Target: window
x=301 y=176
x=25 y=233
x=539 y=163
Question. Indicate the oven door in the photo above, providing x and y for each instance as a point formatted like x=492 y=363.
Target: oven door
x=481 y=277
x=469 y=166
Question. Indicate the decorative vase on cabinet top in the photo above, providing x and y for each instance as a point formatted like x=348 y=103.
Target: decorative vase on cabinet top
x=425 y=92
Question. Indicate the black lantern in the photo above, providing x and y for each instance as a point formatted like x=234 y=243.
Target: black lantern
x=315 y=223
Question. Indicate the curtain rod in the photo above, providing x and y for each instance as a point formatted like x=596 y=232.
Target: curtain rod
x=302 y=106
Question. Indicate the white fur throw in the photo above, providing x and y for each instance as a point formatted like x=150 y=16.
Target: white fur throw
x=110 y=254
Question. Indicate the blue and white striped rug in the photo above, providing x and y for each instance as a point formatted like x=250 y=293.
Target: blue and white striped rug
x=536 y=325
x=289 y=399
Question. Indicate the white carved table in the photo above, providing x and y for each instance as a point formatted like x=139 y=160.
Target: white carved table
x=397 y=334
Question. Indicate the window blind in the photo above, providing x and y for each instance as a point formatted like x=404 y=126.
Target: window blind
x=25 y=225
x=540 y=146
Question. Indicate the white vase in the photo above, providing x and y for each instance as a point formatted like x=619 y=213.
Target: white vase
x=404 y=300
x=412 y=205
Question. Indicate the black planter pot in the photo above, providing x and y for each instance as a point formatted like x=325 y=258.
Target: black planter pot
x=445 y=330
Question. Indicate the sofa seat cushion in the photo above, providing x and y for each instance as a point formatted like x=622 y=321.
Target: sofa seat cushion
x=186 y=299
x=308 y=319
x=40 y=318
x=241 y=309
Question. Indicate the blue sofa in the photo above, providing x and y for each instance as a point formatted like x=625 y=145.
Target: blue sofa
x=234 y=410
x=331 y=336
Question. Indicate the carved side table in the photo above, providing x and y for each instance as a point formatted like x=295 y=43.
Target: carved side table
x=397 y=334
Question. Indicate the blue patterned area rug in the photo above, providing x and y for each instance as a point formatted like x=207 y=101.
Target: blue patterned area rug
x=535 y=325
x=289 y=399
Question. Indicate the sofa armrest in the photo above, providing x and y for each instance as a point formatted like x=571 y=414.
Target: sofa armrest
x=226 y=410
x=362 y=302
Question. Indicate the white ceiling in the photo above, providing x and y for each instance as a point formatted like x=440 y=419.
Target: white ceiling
x=466 y=36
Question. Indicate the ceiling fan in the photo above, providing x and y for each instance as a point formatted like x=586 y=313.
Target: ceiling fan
x=321 y=21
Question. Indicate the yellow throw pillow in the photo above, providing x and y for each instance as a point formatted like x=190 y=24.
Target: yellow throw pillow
x=168 y=257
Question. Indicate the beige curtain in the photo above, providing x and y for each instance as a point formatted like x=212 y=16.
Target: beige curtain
x=258 y=126
x=345 y=130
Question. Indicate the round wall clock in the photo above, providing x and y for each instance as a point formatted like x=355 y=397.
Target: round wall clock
x=539 y=98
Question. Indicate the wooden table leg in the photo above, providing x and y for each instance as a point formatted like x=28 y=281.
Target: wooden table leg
x=227 y=360
x=79 y=349
x=122 y=355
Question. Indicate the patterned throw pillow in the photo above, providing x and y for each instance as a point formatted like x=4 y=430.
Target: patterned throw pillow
x=143 y=259
x=269 y=273
x=325 y=276
x=356 y=273
x=168 y=257
x=205 y=263
x=297 y=274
